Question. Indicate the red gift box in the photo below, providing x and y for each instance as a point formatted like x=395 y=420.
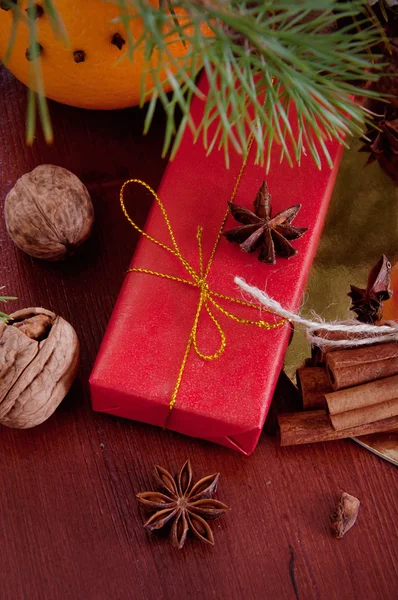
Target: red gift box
x=224 y=400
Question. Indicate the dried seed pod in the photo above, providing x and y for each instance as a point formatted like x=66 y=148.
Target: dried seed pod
x=49 y=213
x=39 y=356
x=345 y=515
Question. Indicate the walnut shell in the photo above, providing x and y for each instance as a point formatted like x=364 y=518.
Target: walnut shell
x=39 y=357
x=49 y=213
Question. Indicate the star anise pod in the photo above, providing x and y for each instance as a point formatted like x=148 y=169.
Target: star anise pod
x=259 y=230
x=381 y=141
x=368 y=303
x=184 y=506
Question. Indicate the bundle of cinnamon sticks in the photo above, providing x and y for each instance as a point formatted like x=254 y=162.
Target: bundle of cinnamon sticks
x=345 y=392
x=355 y=392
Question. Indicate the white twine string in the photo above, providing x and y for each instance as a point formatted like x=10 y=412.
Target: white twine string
x=373 y=333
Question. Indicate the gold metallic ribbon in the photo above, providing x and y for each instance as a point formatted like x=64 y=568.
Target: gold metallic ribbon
x=207 y=297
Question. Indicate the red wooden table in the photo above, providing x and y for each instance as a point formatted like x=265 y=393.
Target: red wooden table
x=69 y=523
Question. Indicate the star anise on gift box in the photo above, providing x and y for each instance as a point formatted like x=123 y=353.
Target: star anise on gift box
x=368 y=303
x=183 y=506
x=259 y=230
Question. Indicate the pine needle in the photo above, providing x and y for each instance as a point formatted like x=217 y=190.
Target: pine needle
x=251 y=43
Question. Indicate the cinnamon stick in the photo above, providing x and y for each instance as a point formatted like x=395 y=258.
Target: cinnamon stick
x=314 y=426
x=363 y=404
x=348 y=368
x=313 y=382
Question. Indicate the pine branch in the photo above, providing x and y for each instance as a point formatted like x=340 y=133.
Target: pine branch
x=254 y=44
x=279 y=71
x=3 y=317
x=37 y=98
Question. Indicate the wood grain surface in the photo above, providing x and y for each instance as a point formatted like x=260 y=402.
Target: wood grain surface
x=69 y=524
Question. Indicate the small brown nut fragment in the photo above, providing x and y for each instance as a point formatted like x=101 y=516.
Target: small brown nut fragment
x=345 y=515
x=49 y=213
x=39 y=357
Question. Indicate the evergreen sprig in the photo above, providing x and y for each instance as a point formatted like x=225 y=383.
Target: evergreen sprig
x=3 y=317
x=278 y=70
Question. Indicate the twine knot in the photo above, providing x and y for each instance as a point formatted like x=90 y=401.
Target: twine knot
x=204 y=286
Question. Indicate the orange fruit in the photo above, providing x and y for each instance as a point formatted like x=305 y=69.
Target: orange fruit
x=390 y=308
x=88 y=71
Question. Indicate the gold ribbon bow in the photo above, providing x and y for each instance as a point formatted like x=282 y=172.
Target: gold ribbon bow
x=207 y=297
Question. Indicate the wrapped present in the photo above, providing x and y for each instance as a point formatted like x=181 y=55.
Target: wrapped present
x=183 y=348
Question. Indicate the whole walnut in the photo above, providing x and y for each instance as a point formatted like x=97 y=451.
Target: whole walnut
x=49 y=213
x=39 y=358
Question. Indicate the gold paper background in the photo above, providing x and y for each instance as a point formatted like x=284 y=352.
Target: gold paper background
x=362 y=224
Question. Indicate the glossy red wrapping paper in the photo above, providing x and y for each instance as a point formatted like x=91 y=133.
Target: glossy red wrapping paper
x=225 y=400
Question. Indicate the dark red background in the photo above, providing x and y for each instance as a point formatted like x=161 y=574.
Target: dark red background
x=69 y=524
